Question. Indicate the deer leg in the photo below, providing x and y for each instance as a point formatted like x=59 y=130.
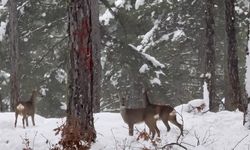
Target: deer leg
x=151 y=127
x=23 y=121
x=27 y=122
x=174 y=121
x=165 y=121
x=157 y=130
x=165 y=117
x=33 y=121
x=16 y=115
x=131 y=129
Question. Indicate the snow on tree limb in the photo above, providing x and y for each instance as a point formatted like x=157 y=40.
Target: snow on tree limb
x=150 y=58
x=139 y=3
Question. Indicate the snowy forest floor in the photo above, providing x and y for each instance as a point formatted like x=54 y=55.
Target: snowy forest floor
x=208 y=131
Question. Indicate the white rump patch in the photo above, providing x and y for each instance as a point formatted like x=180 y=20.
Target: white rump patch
x=157 y=116
x=20 y=107
x=173 y=113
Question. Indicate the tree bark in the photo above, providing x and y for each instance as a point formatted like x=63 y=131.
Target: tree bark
x=14 y=54
x=1 y=103
x=83 y=71
x=210 y=56
x=95 y=34
x=246 y=119
x=234 y=98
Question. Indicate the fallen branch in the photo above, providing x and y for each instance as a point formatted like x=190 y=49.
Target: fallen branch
x=239 y=142
x=170 y=144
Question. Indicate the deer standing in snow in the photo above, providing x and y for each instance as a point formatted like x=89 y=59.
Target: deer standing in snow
x=132 y=116
x=26 y=109
x=150 y=114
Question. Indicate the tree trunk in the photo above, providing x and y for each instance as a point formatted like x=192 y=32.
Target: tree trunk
x=96 y=55
x=234 y=98
x=83 y=53
x=1 y=103
x=14 y=54
x=210 y=57
x=246 y=119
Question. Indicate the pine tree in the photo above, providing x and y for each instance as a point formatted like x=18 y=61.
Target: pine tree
x=210 y=56
x=83 y=47
x=14 y=52
x=235 y=99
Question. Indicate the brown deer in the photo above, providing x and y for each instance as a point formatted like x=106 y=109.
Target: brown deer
x=149 y=116
x=165 y=113
x=26 y=109
x=132 y=116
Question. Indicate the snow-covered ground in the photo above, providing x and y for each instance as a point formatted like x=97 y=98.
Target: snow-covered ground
x=208 y=131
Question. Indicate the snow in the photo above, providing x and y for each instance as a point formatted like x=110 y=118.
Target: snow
x=43 y=14
x=4 y=75
x=239 y=10
x=4 y=2
x=139 y=3
x=196 y=102
x=144 y=68
x=206 y=96
x=43 y=91
x=177 y=34
x=61 y=75
x=2 y=30
x=150 y=58
x=155 y=81
x=114 y=81
x=122 y=4
x=119 y=3
x=63 y=106
x=214 y=131
x=208 y=75
x=158 y=73
x=25 y=39
x=191 y=105
x=105 y=18
x=148 y=37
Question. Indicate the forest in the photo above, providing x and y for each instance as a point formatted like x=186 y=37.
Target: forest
x=179 y=61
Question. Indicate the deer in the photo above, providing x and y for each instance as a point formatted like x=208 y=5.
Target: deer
x=167 y=113
x=26 y=109
x=164 y=113
x=150 y=114
x=133 y=116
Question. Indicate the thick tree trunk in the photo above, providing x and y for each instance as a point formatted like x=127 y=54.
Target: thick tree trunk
x=83 y=69
x=210 y=57
x=96 y=55
x=14 y=54
x=234 y=98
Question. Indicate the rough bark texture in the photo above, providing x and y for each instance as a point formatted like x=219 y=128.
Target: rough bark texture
x=210 y=56
x=96 y=54
x=1 y=103
x=82 y=66
x=246 y=119
x=14 y=54
x=234 y=99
